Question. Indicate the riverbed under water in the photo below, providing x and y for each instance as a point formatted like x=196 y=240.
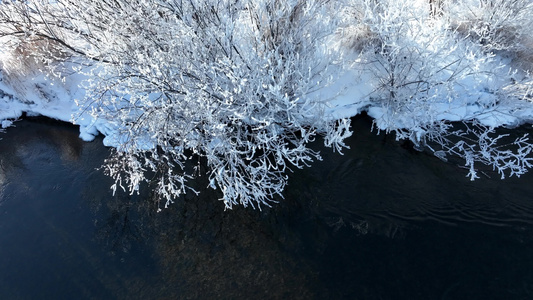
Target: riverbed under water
x=380 y=222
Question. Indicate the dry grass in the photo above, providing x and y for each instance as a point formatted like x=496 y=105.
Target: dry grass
x=502 y=26
x=357 y=37
x=23 y=59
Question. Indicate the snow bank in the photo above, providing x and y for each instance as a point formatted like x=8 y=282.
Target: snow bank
x=352 y=93
x=39 y=95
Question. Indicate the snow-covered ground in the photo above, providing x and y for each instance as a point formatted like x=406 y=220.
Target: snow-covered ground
x=38 y=95
x=352 y=93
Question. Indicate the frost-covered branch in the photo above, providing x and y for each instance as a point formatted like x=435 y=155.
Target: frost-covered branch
x=231 y=82
x=241 y=87
x=429 y=67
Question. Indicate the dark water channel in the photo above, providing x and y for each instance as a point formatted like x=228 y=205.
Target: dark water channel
x=380 y=222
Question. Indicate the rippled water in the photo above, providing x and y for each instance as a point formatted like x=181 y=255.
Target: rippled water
x=380 y=222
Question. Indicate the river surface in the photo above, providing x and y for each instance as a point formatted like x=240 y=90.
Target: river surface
x=380 y=222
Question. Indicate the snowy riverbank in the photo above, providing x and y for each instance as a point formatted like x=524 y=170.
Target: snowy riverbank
x=247 y=85
x=36 y=94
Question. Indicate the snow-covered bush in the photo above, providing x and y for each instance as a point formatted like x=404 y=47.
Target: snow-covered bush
x=497 y=25
x=417 y=67
x=424 y=73
x=228 y=81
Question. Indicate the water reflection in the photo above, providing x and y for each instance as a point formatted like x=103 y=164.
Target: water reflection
x=202 y=252
x=377 y=223
x=381 y=183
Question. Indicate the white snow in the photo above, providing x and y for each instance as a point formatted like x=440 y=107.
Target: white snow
x=39 y=95
x=348 y=96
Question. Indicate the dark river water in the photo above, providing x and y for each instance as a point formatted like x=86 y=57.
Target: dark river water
x=380 y=222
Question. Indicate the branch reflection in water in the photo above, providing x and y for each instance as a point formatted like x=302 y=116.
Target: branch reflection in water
x=379 y=222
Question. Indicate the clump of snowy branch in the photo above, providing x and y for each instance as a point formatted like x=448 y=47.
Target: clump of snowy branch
x=227 y=81
x=496 y=25
x=431 y=62
x=480 y=144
